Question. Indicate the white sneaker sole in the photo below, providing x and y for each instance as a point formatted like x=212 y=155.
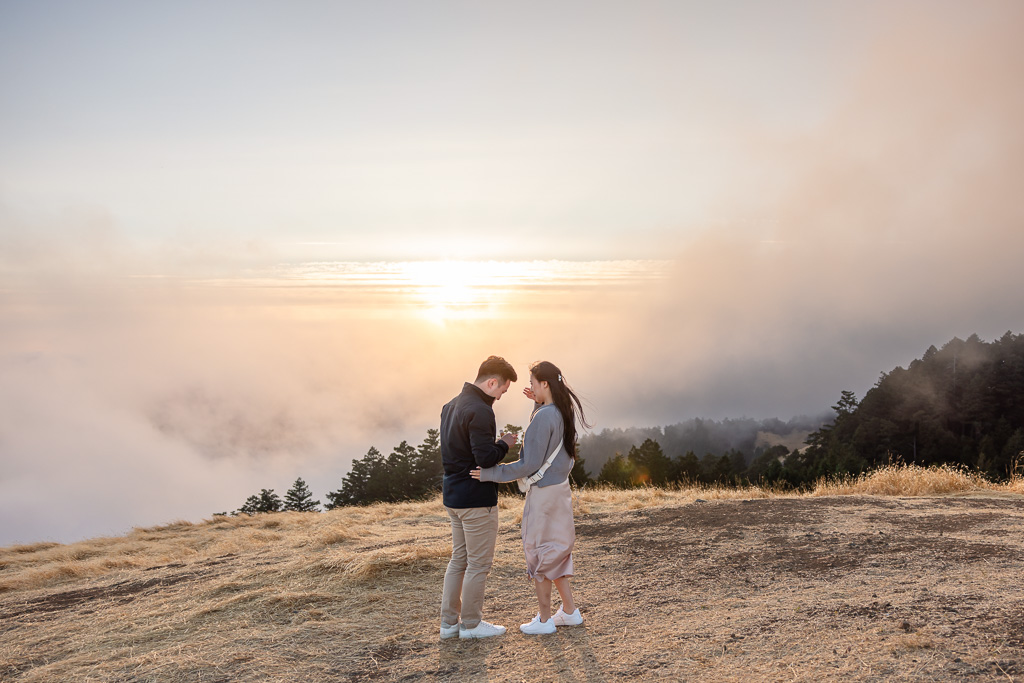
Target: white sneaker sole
x=464 y=636
x=562 y=619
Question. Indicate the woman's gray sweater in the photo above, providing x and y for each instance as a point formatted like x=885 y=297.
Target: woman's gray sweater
x=542 y=436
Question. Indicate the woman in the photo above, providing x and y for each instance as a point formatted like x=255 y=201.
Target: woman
x=548 y=531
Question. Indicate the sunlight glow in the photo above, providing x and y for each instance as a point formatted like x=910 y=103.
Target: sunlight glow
x=448 y=289
x=441 y=291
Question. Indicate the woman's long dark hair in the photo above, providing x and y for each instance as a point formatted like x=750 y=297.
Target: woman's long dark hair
x=566 y=401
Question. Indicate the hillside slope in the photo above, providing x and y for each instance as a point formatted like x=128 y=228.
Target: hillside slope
x=729 y=588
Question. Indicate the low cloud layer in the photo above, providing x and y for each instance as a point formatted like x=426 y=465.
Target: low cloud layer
x=899 y=227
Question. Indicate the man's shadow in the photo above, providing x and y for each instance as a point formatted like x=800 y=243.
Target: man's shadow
x=461 y=660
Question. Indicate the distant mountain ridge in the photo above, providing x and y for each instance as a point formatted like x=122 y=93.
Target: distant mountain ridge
x=962 y=404
x=702 y=437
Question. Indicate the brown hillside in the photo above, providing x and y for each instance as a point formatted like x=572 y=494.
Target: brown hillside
x=731 y=587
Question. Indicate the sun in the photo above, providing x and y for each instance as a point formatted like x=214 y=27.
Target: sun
x=447 y=290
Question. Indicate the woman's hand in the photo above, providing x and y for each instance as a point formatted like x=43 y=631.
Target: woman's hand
x=528 y=393
x=475 y=473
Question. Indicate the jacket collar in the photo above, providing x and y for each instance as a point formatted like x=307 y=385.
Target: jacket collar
x=474 y=390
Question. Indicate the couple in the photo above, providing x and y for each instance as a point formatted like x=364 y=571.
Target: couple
x=471 y=458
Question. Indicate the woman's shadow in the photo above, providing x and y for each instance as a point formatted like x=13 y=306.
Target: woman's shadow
x=573 y=656
x=569 y=652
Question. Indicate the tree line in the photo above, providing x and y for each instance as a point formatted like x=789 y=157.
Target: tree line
x=407 y=473
x=696 y=448
x=962 y=404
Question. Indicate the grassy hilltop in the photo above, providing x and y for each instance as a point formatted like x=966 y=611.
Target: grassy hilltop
x=905 y=574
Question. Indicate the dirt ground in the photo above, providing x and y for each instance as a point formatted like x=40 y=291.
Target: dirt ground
x=857 y=588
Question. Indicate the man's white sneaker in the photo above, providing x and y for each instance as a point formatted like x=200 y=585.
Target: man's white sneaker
x=449 y=631
x=538 y=627
x=562 y=619
x=482 y=630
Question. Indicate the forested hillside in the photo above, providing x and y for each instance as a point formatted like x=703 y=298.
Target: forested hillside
x=961 y=404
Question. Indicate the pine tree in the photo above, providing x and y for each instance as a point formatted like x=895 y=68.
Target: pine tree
x=686 y=468
x=650 y=464
x=400 y=481
x=251 y=506
x=428 y=470
x=364 y=482
x=269 y=501
x=335 y=499
x=266 y=501
x=510 y=487
x=620 y=471
x=517 y=448
x=579 y=475
x=300 y=499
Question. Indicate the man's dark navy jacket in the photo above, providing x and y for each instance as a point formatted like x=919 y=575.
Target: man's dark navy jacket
x=467 y=442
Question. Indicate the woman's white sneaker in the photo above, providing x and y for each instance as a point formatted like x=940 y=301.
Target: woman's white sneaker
x=538 y=627
x=482 y=630
x=562 y=619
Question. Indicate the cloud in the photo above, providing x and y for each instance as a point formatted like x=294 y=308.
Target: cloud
x=899 y=226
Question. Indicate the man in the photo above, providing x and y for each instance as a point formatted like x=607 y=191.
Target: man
x=467 y=442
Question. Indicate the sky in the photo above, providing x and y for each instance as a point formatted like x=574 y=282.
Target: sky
x=242 y=242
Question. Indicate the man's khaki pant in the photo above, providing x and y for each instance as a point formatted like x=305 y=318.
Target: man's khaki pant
x=474 y=533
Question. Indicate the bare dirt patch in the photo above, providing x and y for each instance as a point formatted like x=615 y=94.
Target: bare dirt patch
x=856 y=588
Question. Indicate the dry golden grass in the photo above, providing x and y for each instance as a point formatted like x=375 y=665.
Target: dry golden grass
x=50 y=564
x=905 y=480
x=709 y=583
x=1016 y=482
x=914 y=480
x=603 y=498
x=381 y=562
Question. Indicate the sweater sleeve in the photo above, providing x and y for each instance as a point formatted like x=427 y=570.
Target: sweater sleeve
x=534 y=451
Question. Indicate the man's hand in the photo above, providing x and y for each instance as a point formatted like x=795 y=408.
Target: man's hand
x=508 y=438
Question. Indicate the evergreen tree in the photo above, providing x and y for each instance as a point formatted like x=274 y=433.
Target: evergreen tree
x=1013 y=451
x=251 y=506
x=335 y=499
x=363 y=483
x=428 y=470
x=619 y=471
x=768 y=464
x=686 y=468
x=300 y=499
x=716 y=469
x=738 y=464
x=400 y=479
x=514 y=451
x=650 y=465
x=269 y=501
x=578 y=474
x=266 y=501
